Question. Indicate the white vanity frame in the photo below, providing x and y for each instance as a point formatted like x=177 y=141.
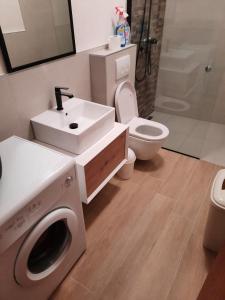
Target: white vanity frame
x=104 y=159
x=109 y=163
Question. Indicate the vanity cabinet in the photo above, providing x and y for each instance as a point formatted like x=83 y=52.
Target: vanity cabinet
x=96 y=166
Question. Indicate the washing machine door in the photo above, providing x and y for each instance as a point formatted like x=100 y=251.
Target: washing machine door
x=46 y=247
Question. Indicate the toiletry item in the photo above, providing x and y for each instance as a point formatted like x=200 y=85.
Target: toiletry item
x=120 y=31
x=114 y=42
x=127 y=32
x=121 y=28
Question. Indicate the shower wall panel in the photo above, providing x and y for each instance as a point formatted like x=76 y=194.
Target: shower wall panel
x=146 y=89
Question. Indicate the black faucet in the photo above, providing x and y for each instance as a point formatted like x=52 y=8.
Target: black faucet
x=59 y=94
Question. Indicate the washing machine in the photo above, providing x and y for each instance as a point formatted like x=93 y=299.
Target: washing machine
x=42 y=231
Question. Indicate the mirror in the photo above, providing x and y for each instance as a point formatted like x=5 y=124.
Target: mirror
x=35 y=31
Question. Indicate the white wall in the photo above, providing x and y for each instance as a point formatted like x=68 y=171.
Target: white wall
x=27 y=93
x=10 y=16
x=93 y=21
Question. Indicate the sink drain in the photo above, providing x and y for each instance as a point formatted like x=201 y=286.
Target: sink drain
x=73 y=126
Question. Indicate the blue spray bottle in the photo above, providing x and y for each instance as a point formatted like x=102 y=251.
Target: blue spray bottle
x=121 y=26
x=127 y=30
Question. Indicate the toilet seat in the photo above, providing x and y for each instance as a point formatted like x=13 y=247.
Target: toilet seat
x=127 y=113
x=147 y=130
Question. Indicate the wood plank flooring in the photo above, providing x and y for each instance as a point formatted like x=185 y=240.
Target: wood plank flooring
x=214 y=285
x=144 y=235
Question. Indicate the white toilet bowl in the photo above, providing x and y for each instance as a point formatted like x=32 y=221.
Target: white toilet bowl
x=145 y=137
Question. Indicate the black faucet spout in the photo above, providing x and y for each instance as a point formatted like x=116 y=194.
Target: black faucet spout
x=59 y=94
x=69 y=95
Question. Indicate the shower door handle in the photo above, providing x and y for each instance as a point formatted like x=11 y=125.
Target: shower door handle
x=150 y=40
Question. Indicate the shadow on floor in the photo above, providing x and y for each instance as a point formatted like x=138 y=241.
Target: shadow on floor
x=150 y=165
x=99 y=203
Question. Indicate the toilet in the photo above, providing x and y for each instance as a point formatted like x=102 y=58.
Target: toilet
x=145 y=137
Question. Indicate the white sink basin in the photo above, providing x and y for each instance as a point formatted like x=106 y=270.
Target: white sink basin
x=94 y=121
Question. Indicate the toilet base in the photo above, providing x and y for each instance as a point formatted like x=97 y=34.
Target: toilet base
x=145 y=150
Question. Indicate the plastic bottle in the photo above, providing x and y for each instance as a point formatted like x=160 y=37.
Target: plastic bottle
x=127 y=32
x=121 y=26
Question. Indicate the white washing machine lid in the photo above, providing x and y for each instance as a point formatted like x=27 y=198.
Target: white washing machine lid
x=126 y=102
x=27 y=169
x=147 y=130
x=27 y=272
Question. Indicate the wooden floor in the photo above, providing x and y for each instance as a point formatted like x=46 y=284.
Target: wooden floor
x=144 y=235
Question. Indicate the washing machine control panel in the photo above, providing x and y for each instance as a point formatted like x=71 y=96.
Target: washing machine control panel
x=18 y=224
x=35 y=210
x=20 y=220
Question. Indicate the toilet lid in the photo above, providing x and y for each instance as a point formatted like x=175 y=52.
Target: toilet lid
x=126 y=102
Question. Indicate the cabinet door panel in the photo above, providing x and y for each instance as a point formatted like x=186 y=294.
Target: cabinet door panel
x=104 y=163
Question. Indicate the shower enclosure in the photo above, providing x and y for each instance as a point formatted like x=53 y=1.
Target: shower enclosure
x=190 y=95
x=146 y=19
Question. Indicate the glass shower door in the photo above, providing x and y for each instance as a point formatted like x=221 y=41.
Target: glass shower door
x=191 y=75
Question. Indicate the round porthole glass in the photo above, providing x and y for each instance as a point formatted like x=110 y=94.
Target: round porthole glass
x=49 y=247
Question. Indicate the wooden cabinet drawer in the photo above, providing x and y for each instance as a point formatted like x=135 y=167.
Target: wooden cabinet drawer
x=104 y=163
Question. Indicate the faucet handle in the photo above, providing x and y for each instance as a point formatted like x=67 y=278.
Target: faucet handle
x=58 y=88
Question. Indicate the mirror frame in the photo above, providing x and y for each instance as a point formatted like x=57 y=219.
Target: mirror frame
x=6 y=57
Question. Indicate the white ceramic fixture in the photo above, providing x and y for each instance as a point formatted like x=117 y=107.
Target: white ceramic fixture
x=145 y=137
x=41 y=221
x=93 y=120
